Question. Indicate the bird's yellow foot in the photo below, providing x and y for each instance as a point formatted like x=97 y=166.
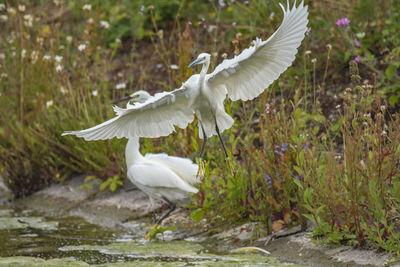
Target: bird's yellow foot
x=152 y=231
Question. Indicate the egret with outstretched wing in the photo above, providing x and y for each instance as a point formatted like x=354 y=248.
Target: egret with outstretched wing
x=243 y=77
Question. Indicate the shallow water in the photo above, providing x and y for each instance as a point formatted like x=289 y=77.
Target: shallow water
x=28 y=239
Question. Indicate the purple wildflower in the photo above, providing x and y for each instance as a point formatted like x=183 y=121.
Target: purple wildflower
x=357 y=59
x=213 y=178
x=343 y=22
x=271 y=16
x=284 y=146
x=305 y=147
x=298 y=177
x=221 y=3
x=357 y=43
x=278 y=152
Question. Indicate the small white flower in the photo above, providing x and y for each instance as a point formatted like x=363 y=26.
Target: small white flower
x=62 y=90
x=267 y=108
x=104 y=24
x=49 y=103
x=34 y=56
x=69 y=39
x=90 y=20
x=338 y=106
x=28 y=20
x=40 y=40
x=95 y=93
x=360 y=35
x=120 y=86
x=61 y=47
x=384 y=133
x=2 y=7
x=57 y=2
x=4 y=18
x=159 y=66
x=383 y=108
x=59 y=68
x=4 y=75
x=81 y=47
x=23 y=53
x=58 y=58
x=367 y=115
x=46 y=57
x=21 y=8
x=2 y=56
x=11 y=10
x=87 y=7
x=174 y=67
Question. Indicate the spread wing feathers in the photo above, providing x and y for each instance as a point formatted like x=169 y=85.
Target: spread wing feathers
x=247 y=75
x=154 y=118
x=157 y=176
x=183 y=167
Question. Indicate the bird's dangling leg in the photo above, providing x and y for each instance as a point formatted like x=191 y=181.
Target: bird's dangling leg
x=153 y=209
x=204 y=139
x=154 y=217
x=172 y=208
x=219 y=135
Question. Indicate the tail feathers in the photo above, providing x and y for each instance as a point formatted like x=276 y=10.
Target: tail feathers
x=224 y=122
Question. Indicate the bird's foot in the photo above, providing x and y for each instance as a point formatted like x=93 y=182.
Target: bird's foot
x=201 y=170
x=151 y=234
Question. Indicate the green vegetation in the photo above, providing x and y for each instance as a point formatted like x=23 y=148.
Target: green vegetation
x=323 y=143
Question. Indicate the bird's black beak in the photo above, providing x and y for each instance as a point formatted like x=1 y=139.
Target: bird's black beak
x=197 y=61
x=126 y=98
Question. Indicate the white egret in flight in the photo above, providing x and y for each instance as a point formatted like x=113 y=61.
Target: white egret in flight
x=160 y=176
x=243 y=77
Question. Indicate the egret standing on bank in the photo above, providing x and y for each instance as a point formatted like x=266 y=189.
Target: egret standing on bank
x=160 y=176
x=243 y=77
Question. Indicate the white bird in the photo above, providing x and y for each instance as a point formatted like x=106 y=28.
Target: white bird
x=160 y=176
x=243 y=77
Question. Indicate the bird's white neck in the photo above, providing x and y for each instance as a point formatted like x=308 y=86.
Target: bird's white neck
x=132 y=152
x=204 y=70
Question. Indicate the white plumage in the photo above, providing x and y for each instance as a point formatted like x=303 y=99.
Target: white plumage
x=160 y=176
x=243 y=77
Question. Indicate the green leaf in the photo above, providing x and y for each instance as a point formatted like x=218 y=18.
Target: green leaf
x=113 y=187
x=104 y=185
x=318 y=211
x=310 y=217
x=197 y=214
x=307 y=195
x=390 y=71
x=393 y=99
x=298 y=183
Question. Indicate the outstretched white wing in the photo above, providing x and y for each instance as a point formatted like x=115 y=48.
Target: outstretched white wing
x=247 y=75
x=154 y=118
